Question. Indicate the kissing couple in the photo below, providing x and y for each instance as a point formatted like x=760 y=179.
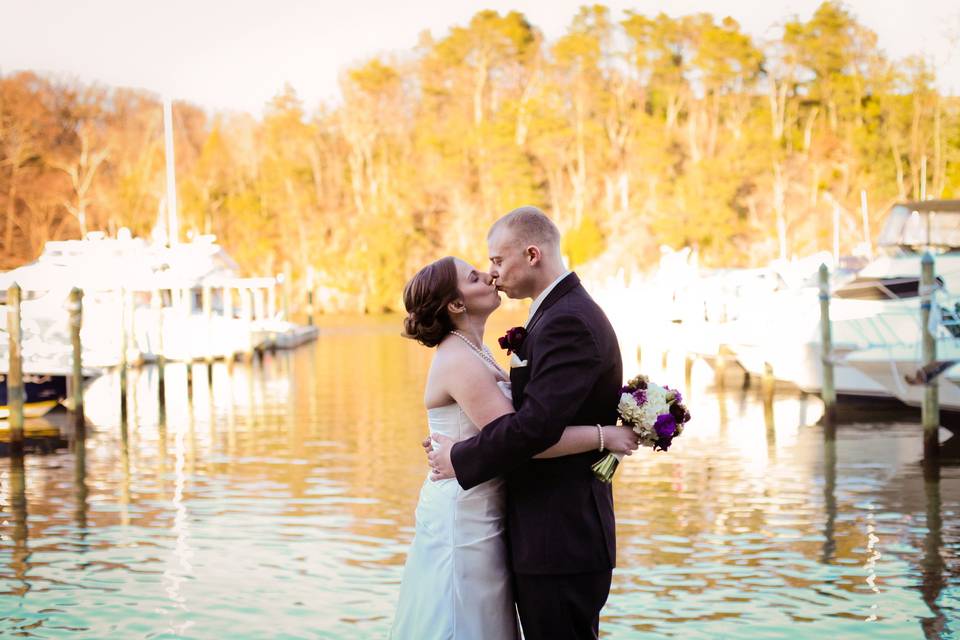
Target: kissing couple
x=512 y=527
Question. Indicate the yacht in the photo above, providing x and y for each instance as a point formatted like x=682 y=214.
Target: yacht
x=131 y=287
x=876 y=307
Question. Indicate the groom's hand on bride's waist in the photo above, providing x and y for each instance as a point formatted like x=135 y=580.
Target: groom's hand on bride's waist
x=438 y=453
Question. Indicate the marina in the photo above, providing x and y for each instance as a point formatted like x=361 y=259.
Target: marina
x=280 y=496
x=164 y=447
x=217 y=282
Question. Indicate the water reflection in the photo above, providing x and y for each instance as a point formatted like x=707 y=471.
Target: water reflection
x=829 y=491
x=79 y=446
x=279 y=497
x=933 y=568
x=17 y=501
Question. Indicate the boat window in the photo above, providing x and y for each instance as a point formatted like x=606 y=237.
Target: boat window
x=881 y=288
x=917 y=229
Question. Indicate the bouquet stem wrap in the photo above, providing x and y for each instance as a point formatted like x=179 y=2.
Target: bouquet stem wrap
x=605 y=468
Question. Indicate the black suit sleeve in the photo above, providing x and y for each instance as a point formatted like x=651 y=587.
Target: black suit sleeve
x=563 y=373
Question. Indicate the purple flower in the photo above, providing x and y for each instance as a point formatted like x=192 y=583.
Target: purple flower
x=678 y=411
x=665 y=426
x=512 y=339
x=677 y=398
x=640 y=395
x=662 y=444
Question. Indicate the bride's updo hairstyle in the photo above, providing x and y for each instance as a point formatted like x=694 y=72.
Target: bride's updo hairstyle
x=426 y=297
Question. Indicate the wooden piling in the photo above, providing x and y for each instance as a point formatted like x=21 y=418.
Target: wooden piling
x=157 y=304
x=230 y=354
x=828 y=391
x=931 y=398
x=246 y=314
x=207 y=298
x=15 y=389
x=76 y=380
x=720 y=368
x=208 y=316
x=768 y=382
x=123 y=358
x=310 y=286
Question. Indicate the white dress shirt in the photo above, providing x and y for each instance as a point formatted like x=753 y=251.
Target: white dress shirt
x=543 y=294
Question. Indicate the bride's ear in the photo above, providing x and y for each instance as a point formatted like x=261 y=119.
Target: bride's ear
x=456 y=307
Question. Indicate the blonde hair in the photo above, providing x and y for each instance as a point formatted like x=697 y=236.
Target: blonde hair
x=529 y=225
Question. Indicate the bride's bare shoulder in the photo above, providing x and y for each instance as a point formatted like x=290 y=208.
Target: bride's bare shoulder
x=454 y=357
x=453 y=366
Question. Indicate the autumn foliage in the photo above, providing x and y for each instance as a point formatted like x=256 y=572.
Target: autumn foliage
x=630 y=131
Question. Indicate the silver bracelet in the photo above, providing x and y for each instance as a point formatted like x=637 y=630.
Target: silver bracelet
x=600 y=433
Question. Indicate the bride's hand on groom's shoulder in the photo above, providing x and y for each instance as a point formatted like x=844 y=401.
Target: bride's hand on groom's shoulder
x=620 y=440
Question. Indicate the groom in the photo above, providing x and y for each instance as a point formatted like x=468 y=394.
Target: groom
x=567 y=370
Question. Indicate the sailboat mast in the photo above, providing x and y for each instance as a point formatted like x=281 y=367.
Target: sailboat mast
x=173 y=226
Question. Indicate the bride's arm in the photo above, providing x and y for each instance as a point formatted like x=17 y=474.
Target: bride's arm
x=581 y=438
x=469 y=383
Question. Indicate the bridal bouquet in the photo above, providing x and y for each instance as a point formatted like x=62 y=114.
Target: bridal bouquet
x=655 y=413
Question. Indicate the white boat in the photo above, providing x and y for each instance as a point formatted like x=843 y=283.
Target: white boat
x=893 y=366
x=780 y=332
x=128 y=285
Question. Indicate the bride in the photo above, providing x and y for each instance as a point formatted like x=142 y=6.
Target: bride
x=457 y=581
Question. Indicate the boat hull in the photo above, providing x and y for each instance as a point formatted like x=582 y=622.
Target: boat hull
x=41 y=394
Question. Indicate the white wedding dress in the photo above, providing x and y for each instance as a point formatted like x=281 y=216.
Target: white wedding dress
x=456 y=583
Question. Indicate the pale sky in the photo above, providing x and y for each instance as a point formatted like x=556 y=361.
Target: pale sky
x=238 y=54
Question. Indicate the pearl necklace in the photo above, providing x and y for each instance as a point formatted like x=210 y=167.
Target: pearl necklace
x=483 y=353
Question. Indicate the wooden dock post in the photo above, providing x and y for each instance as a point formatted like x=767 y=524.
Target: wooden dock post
x=188 y=294
x=931 y=397
x=76 y=381
x=720 y=367
x=272 y=300
x=230 y=354
x=828 y=392
x=15 y=389
x=208 y=320
x=157 y=304
x=768 y=381
x=246 y=313
x=123 y=358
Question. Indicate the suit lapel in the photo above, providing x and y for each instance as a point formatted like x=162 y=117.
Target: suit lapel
x=563 y=288
x=520 y=376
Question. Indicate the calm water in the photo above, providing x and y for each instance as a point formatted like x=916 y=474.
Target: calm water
x=281 y=505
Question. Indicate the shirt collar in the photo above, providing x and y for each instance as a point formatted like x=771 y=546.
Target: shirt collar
x=543 y=295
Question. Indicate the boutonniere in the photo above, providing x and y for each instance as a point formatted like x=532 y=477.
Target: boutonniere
x=512 y=339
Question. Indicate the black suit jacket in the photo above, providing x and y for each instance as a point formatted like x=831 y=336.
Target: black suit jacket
x=559 y=516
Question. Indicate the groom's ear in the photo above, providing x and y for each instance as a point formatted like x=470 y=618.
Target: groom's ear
x=533 y=254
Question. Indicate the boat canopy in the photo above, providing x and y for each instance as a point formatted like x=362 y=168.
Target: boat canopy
x=868 y=288
x=916 y=226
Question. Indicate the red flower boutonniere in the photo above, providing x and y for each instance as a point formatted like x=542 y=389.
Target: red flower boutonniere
x=512 y=339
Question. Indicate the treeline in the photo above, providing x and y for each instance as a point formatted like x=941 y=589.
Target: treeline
x=631 y=131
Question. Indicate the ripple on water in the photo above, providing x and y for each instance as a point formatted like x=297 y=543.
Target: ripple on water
x=282 y=505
